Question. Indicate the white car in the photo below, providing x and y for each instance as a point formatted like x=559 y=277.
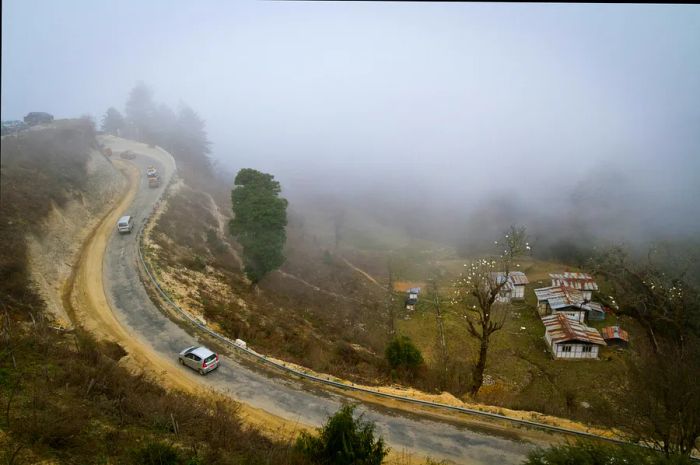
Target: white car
x=125 y=224
x=199 y=358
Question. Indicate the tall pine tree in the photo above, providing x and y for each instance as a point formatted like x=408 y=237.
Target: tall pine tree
x=259 y=221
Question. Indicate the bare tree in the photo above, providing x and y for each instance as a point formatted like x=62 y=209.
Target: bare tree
x=338 y=224
x=390 y=299
x=477 y=292
x=659 y=402
x=660 y=300
x=443 y=354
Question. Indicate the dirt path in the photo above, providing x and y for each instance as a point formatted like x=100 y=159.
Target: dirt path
x=284 y=274
x=364 y=273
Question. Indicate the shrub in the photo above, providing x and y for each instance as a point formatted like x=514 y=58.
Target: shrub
x=156 y=453
x=403 y=354
x=589 y=453
x=343 y=440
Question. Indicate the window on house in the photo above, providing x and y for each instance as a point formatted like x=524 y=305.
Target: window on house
x=587 y=349
x=566 y=349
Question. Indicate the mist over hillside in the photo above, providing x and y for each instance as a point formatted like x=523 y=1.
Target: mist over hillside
x=445 y=121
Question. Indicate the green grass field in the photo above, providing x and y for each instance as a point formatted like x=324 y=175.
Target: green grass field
x=523 y=372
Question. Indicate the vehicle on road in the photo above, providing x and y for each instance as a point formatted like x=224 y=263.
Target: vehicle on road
x=151 y=172
x=125 y=224
x=199 y=358
x=154 y=181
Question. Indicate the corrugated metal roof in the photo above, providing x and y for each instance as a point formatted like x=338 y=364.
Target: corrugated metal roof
x=517 y=278
x=560 y=296
x=580 y=281
x=562 y=329
x=615 y=332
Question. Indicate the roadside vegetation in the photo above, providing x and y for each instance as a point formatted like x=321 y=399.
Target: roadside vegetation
x=589 y=453
x=345 y=439
x=65 y=397
x=333 y=305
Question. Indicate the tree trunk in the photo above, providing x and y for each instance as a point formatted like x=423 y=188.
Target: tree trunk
x=442 y=343
x=650 y=333
x=478 y=377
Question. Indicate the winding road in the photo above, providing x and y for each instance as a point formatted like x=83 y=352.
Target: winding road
x=111 y=300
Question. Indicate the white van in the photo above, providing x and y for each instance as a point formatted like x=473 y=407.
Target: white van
x=125 y=224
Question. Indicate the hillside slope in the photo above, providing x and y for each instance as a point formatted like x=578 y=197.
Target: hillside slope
x=66 y=397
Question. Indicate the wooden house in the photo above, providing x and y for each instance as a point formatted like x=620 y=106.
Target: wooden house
x=563 y=300
x=514 y=288
x=568 y=339
x=580 y=281
x=568 y=301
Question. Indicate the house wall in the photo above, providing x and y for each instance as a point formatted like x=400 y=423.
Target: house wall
x=543 y=307
x=576 y=351
x=587 y=294
x=576 y=315
x=503 y=297
x=518 y=292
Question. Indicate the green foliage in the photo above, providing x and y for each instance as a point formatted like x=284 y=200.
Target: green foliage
x=113 y=122
x=182 y=133
x=259 y=222
x=402 y=353
x=156 y=453
x=588 y=453
x=343 y=440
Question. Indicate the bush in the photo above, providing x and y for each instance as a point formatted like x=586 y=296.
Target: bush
x=588 y=453
x=403 y=354
x=157 y=453
x=343 y=440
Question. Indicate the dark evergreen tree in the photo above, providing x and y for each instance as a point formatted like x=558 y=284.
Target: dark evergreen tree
x=140 y=114
x=343 y=440
x=260 y=217
x=113 y=122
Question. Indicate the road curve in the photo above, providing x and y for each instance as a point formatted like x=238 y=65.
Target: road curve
x=158 y=340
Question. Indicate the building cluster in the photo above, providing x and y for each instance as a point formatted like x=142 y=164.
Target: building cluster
x=565 y=307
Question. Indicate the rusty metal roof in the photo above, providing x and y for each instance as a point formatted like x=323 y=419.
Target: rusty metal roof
x=615 y=332
x=560 y=296
x=580 y=281
x=516 y=278
x=562 y=329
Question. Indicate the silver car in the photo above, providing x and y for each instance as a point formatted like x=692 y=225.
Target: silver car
x=199 y=358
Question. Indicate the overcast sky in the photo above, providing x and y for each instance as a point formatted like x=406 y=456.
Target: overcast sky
x=449 y=99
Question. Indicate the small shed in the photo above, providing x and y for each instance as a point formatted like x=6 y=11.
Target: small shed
x=580 y=281
x=412 y=297
x=514 y=289
x=615 y=336
x=569 y=339
x=594 y=311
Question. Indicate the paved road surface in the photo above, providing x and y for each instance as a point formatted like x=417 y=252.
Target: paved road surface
x=290 y=399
